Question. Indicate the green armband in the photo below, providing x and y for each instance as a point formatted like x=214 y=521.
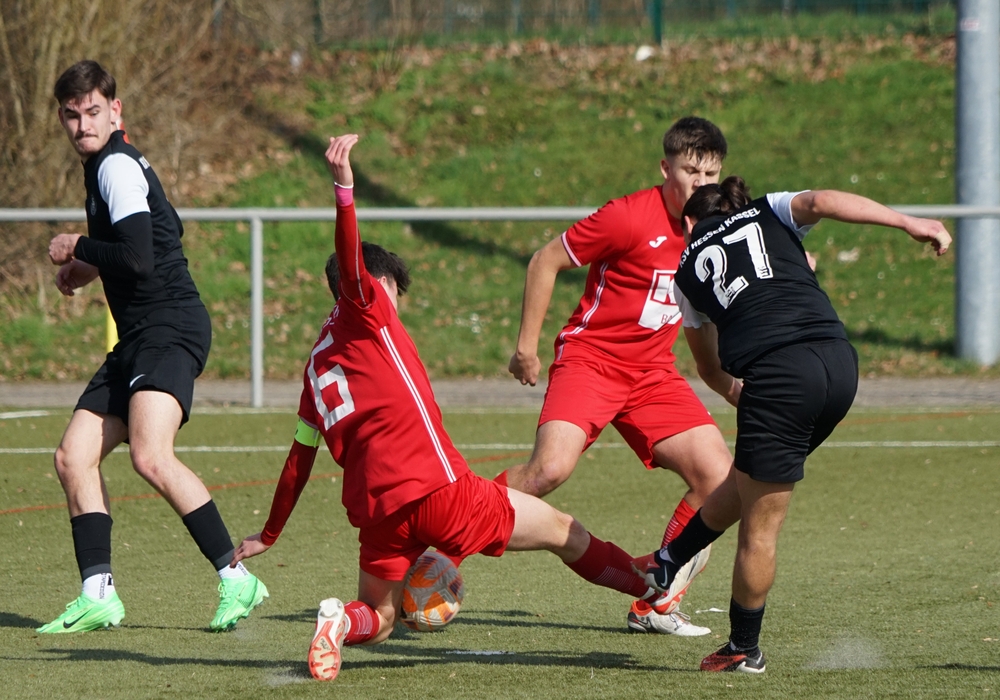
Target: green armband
x=306 y=434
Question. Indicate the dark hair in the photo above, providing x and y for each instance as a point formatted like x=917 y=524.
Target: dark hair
x=728 y=196
x=378 y=261
x=81 y=79
x=695 y=136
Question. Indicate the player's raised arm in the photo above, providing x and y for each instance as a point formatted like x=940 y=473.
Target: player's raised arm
x=811 y=206
x=539 y=282
x=293 y=479
x=347 y=239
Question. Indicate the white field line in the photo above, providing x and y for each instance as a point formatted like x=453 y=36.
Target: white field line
x=517 y=447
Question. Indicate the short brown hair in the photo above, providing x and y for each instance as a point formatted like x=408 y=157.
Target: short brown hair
x=378 y=261
x=695 y=136
x=81 y=79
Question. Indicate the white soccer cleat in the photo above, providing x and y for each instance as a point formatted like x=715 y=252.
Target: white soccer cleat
x=331 y=628
x=642 y=618
x=657 y=574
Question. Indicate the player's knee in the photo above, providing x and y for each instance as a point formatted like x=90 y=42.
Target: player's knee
x=148 y=464
x=546 y=475
x=68 y=462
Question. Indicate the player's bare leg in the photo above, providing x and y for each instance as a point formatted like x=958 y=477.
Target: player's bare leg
x=89 y=438
x=763 y=512
x=154 y=419
x=700 y=456
x=558 y=446
x=537 y=525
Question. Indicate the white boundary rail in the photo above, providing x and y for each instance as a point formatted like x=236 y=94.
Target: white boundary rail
x=257 y=216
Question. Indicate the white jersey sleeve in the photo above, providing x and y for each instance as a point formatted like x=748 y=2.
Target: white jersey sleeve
x=123 y=186
x=781 y=203
x=691 y=317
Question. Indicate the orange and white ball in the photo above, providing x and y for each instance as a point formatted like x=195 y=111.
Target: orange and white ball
x=433 y=593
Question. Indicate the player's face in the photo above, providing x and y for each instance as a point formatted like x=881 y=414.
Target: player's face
x=89 y=121
x=390 y=287
x=682 y=175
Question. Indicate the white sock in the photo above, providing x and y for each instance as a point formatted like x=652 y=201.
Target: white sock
x=99 y=586
x=237 y=571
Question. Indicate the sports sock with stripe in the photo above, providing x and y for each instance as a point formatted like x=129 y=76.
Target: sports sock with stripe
x=362 y=623
x=678 y=521
x=606 y=564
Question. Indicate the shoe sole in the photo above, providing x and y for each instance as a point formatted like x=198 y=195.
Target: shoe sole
x=682 y=581
x=324 y=654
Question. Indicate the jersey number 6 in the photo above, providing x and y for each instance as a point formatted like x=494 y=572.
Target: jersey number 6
x=335 y=376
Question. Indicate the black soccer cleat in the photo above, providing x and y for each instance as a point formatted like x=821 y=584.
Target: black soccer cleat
x=728 y=659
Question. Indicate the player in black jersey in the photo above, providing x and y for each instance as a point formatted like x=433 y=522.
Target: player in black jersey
x=142 y=393
x=745 y=271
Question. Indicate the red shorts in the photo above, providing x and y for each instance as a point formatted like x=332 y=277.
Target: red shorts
x=470 y=516
x=645 y=406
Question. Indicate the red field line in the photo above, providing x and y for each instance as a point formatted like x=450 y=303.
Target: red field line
x=239 y=484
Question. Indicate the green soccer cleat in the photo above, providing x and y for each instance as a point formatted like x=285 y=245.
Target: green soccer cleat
x=237 y=597
x=85 y=614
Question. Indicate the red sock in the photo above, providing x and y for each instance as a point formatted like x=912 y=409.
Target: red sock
x=606 y=564
x=364 y=623
x=682 y=516
x=501 y=478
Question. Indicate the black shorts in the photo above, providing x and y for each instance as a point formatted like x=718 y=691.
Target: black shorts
x=163 y=352
x=792 y=399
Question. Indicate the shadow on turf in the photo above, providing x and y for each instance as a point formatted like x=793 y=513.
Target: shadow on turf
x=420 y=656
x=488 y=618
x=964 y=667
x=63 y=655
x=8 y=619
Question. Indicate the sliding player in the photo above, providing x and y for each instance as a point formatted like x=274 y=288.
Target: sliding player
x=613 y=360
x=746 y=273
x=406 y=486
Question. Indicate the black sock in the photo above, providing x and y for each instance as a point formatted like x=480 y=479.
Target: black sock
x=695 y=536
x=210 y=534
x=92 y=542
x=745 y=627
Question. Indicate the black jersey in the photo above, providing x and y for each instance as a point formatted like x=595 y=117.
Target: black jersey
x=134 y=236
x=748 y=273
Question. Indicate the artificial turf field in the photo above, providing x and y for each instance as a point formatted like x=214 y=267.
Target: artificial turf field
x=888 y=577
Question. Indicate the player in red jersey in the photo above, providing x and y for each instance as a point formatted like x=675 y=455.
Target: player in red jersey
x=406 y=486
x=613 y=360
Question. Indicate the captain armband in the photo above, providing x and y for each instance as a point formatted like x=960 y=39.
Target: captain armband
x=306 y=434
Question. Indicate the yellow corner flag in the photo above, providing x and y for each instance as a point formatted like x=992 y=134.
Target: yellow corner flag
x=112 y=331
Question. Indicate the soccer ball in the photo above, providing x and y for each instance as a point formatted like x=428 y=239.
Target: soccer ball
x=433 y=593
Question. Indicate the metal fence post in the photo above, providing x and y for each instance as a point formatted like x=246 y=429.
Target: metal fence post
x=256 y=312
x=977 y=180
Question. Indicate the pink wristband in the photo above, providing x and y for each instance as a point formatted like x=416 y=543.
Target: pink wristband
x=345 y=195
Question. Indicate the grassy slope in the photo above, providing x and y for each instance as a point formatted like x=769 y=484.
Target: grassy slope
x=885 y=592
x=540 y=124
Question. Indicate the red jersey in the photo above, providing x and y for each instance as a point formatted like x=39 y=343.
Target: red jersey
x=368 y=393
x=628 y=310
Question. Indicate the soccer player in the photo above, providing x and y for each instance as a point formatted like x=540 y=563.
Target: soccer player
x=406 y=486
x=745 y=273
x=142 y=393
x=613 y=359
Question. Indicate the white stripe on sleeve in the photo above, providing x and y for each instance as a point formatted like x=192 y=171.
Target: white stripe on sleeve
x=123 y=186
x=781 y=203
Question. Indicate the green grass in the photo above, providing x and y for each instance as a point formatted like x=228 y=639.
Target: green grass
x=541 y=124
x=887 y=584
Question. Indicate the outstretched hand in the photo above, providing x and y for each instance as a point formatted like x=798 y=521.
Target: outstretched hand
x=338 y=158
x=929 y=231
x=249 y=547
